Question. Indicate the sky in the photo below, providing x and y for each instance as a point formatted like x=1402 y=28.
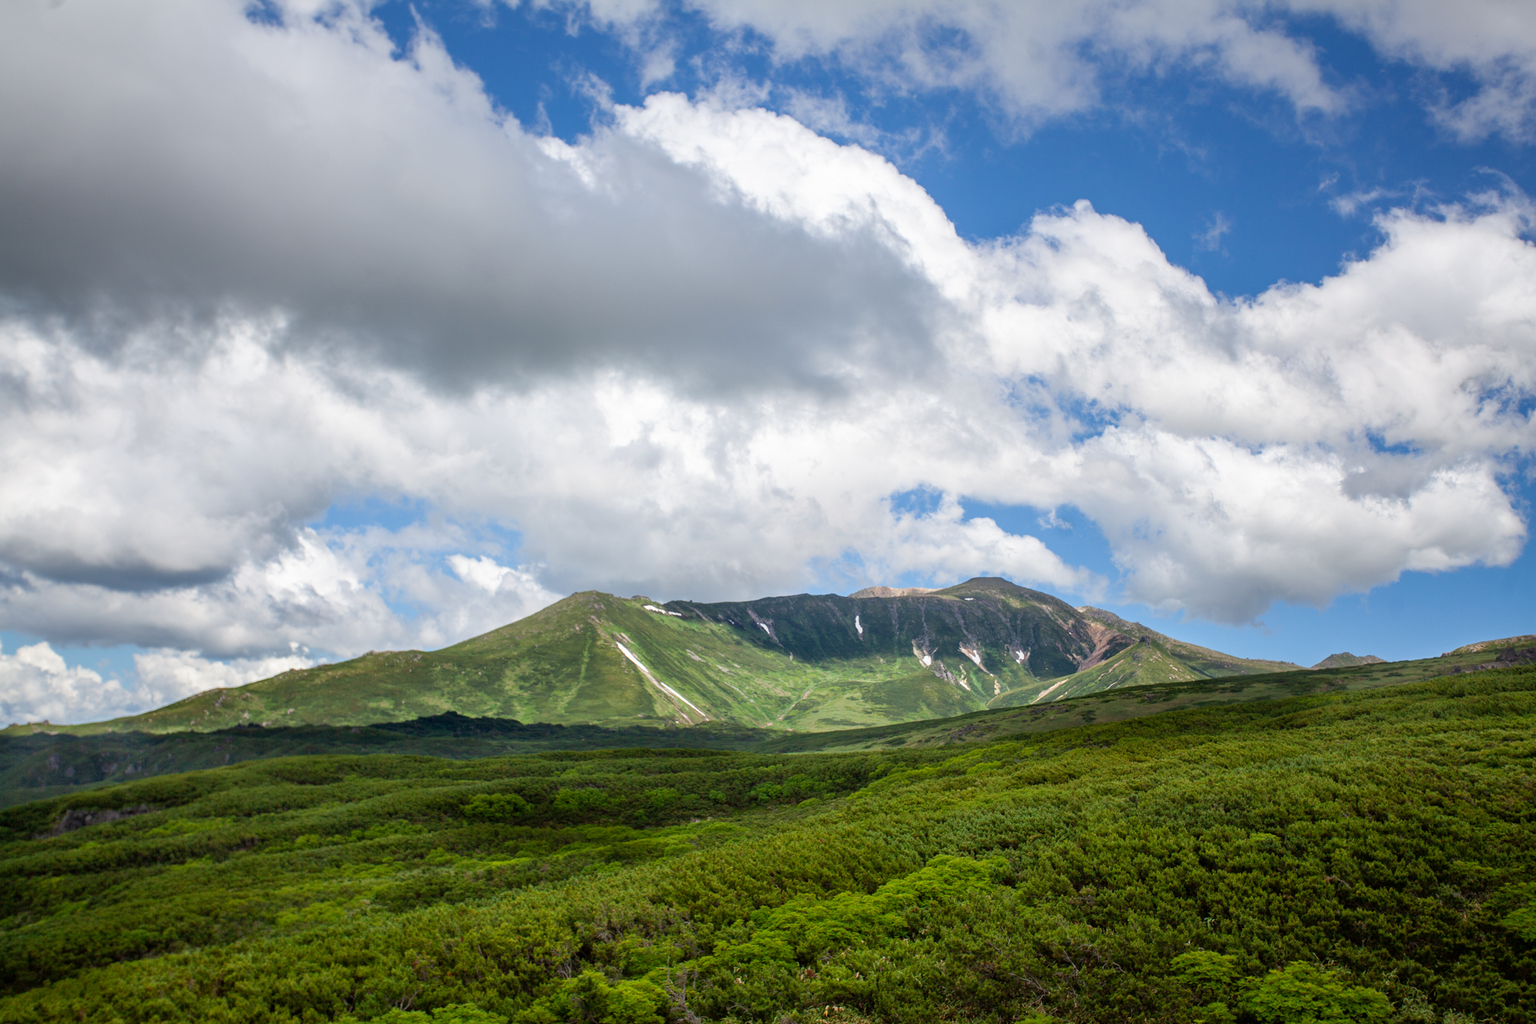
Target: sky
x=329 y=326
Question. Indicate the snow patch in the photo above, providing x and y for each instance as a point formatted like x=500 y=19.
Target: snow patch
x=663 y=611
x=975 y=655
x=858 y=625
x=921 y=655
x=663 y=687
x=765 y=628
x=1047 y=692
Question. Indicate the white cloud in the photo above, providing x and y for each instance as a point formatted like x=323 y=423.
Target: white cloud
x=162 y=164
x=1222 y=531
x=36 y=685
x=691 y=356
x=944 y=547
x=1042 y=61
x=1210 y=239
x=1037 y=60
x=1493 y=40
x=342 y=592
x=165 y=676
x=1350 y=203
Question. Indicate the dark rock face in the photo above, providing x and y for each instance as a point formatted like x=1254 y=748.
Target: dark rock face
x=80 y=817
x=1516 y=656
x=1506 y=659
x=1006 y=627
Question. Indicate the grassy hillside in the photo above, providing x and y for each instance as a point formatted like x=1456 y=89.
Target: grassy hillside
x=1362 y=856
x=590 y=659
x=36 y=763
x=1203 y=662
x=1120 y=704
x=42 y=765
x=801 y=663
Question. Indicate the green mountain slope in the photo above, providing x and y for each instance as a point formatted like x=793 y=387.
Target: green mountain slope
x=36 y=764
x=591 y=659
x=798 y=663
x=1204 y=662
x=1124 y=703
x=801 y=663
x=1151 y=658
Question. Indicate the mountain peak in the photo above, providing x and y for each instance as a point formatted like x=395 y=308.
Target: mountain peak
x=1346 y=660
x=974 y=585
x=802 y=662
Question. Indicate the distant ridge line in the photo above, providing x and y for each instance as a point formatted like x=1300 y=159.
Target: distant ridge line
x=1484 y=645
x=894 y=591
x=1344 y=659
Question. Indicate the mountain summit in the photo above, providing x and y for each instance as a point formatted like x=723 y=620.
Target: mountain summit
x=1346 y=660
x=805 y=662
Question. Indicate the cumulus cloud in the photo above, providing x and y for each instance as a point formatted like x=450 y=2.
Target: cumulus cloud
x=37 y=685
x=1494 y=41
x=167 y=675
x=1044 y=61
x=693 y=355
x=342 y=592
x=170 y=162
x=1037 y=61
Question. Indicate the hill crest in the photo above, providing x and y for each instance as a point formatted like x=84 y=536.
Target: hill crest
x=797 y=663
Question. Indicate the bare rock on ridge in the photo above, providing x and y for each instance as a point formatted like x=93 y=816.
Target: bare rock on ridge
x=1346 y=660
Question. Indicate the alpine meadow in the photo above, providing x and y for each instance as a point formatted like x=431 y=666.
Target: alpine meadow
x=767 y=512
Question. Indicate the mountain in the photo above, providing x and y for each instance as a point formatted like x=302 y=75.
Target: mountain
x=1151 y=658
x=1346 y=660
x=800 y=663
x=38 y=761
x=1528 y=640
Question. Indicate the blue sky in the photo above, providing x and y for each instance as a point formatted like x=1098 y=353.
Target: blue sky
x=1173 y=150
x=365 y=325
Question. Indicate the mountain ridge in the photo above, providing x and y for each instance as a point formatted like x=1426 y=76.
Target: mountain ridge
x=794 y=663
x=1344 y=659
x=36 y=763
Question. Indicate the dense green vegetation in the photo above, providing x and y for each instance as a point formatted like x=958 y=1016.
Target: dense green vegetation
x=36 y=763
x=1122 y=703
x=1356 y=856
x=43 y=764
x=802 y=663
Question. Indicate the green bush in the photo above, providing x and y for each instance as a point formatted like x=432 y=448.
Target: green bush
x=588 y=998
x=1302 y=993
x=497 y=806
